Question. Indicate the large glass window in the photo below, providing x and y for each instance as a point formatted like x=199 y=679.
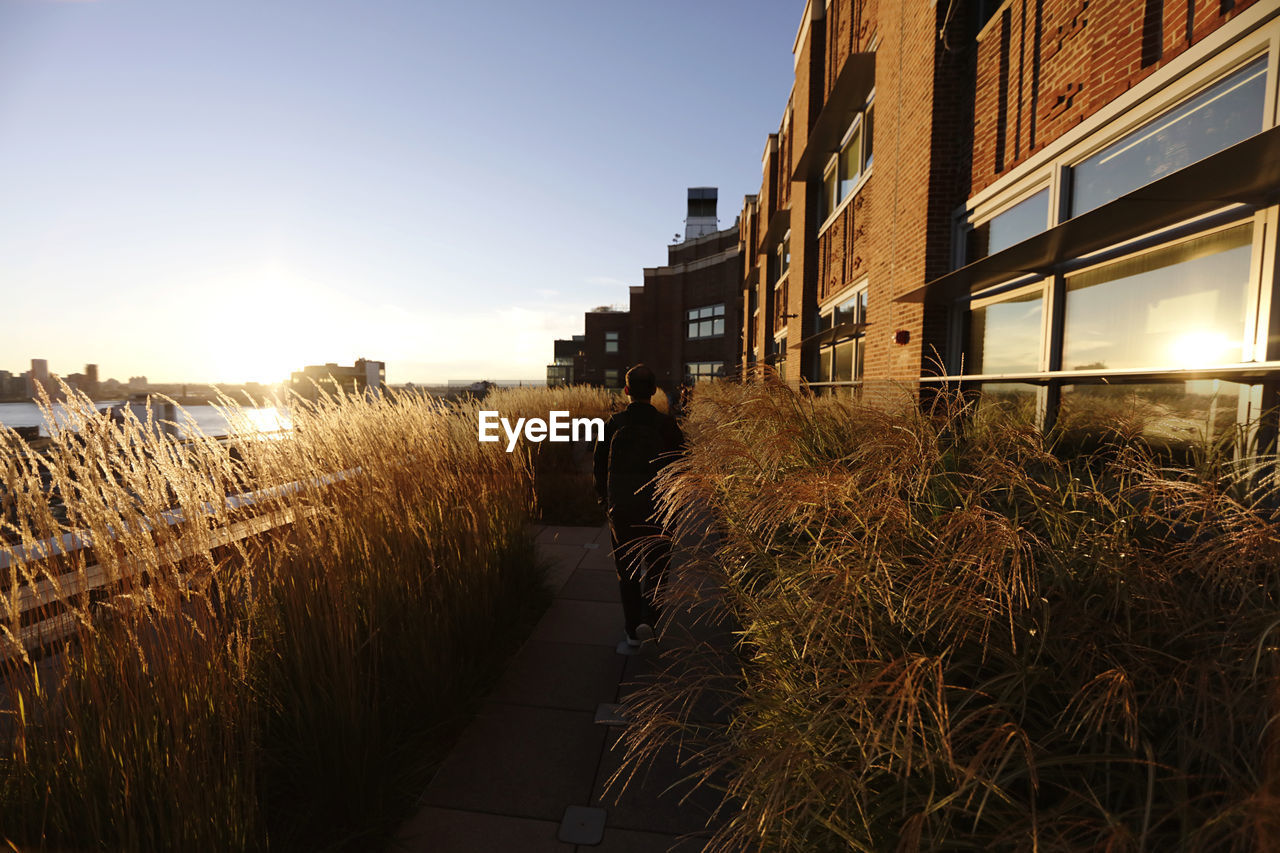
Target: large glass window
x=1010 y=398
x=1006 y=336
x=1220 y=116
x=1169 y=414
x=610 y=341
x=706 y=322
x=1025 y=219
x=1177 y=306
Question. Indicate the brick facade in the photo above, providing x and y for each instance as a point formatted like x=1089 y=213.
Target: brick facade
x=965 y=96
x=896 y=229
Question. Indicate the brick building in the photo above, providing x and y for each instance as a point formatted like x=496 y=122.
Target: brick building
x=1054 y=201
x=605 y=347
x=362 y=377
x=684 y=321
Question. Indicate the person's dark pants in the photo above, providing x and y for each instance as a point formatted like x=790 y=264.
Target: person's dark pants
x=636 y=544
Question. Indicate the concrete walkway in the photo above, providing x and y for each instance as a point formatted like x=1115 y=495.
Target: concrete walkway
x=529 y=773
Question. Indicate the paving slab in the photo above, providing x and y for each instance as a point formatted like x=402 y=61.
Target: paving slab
x=562 y=561
x=601 y=559
x=583 y=825
x=536 y=753
x=520 y=760
x=572 y=676
x=591 y=584
x=554 y=535
x=436 y=830
x=634 y=841
x=572 y=621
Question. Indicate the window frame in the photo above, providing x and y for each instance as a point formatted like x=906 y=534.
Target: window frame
x=827 y=213
x=1157 y=95
x=717 y=370
x=696 y=317
x=861 y=288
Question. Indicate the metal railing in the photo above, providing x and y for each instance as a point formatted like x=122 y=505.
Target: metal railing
x=38 y=629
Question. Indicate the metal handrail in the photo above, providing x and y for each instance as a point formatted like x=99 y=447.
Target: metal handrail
x=45 y=591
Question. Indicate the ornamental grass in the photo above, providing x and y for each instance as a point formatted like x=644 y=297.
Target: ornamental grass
x=952 y=634
x=268 y=676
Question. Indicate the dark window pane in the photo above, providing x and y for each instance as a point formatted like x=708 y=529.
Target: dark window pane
x=1226 y=113
x=842 y=366
x=1181 y=306
x=823 y=373
x=1005 y=337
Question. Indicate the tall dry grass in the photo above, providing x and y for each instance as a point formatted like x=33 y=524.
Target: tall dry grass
x=278 y=691
x=952 y=638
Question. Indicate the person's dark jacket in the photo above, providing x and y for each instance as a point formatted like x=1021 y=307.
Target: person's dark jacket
x=636 y=413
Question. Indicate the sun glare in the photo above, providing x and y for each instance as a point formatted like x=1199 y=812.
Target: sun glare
x=267 y=324
x=1202 y=349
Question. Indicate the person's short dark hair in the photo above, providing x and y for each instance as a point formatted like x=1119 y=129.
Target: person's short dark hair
x=641 y=383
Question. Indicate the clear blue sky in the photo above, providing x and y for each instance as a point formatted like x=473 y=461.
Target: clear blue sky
x=224 y=190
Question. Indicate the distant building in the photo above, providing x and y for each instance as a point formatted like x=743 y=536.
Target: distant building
x=570 y=361
x=606 y=345
x=91 y=385
x=137 y=384
x=684 y=322
x=363 y=377
x=38 y=376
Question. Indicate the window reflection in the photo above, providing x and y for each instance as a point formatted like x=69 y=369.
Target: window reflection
x=1180 y=306
x=1015 y=399
x=1168 y=414
x=1024 y=220
x=1222 y=115
x=850 y=166
x=1005 y=336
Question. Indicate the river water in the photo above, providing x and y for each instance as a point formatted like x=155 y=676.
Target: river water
x=207 y=418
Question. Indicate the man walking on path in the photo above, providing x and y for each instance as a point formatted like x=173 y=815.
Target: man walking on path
x=638 y=442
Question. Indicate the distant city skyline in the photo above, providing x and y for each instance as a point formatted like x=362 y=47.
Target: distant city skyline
x=225 y=192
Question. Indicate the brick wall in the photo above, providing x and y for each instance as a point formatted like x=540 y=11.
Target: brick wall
x=595 y=359
x=1043 y=66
